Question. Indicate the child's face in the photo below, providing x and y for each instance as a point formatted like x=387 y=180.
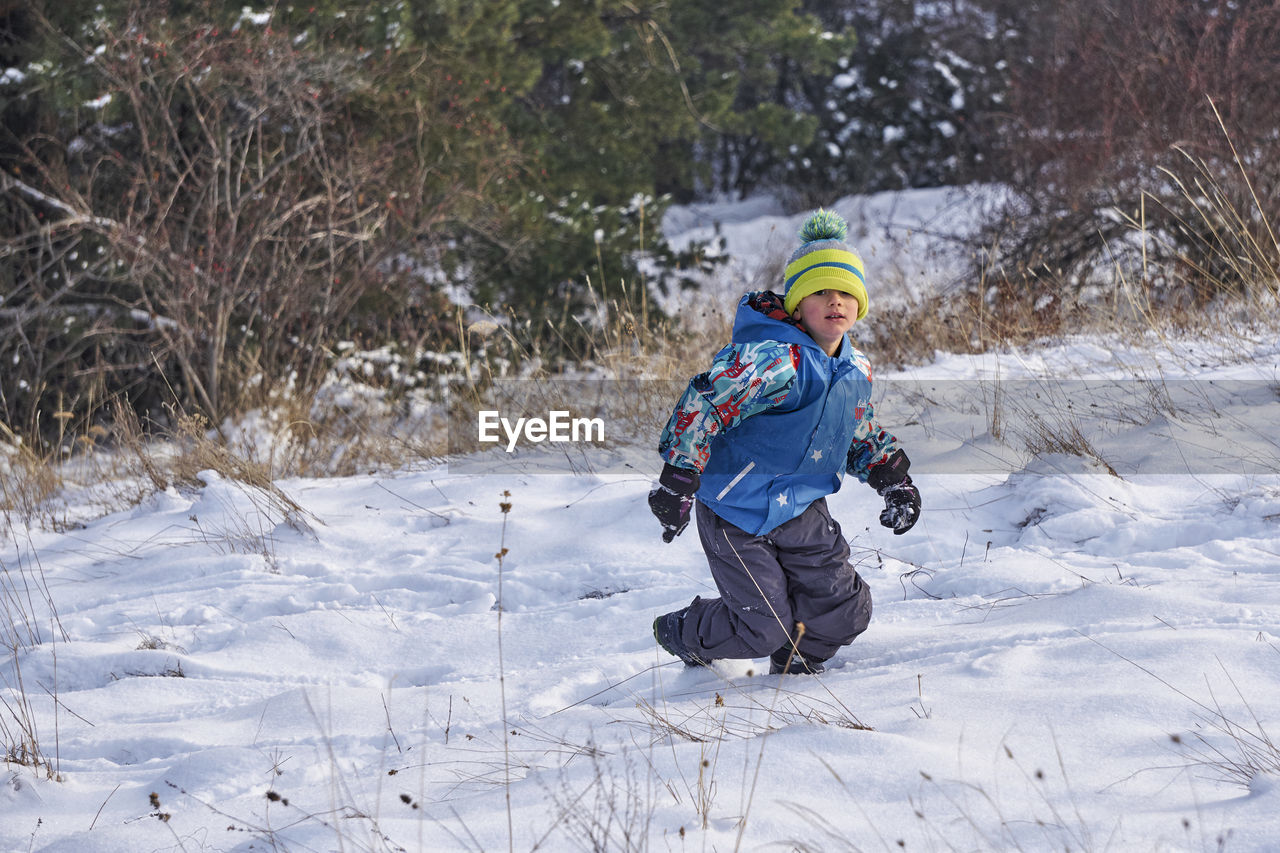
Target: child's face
x=827 y=315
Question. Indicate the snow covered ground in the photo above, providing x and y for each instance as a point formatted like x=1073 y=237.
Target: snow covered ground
x=1060 y=658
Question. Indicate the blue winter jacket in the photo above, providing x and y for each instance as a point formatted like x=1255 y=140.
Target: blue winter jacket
x=776 y=422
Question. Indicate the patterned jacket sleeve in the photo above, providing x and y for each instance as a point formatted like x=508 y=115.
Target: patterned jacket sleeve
x=744 y=380
x=871 y=445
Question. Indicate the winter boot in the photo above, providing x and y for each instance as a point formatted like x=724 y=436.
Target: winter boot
x=788 y=660
x=667 y=631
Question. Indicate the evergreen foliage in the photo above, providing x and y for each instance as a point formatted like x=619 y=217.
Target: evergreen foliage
x=746 y=61
x=916 y=104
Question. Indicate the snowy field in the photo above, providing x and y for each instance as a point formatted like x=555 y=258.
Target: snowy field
x=1077 y=648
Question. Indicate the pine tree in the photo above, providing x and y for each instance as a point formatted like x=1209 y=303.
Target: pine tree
x=913 y=104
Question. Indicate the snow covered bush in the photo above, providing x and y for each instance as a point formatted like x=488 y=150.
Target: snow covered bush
x=234 y=201
x=1142 y=148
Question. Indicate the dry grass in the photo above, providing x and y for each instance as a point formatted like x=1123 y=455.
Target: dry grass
x=27 y=483
x=957 y=323
x=28 y=619
x=629 y=370
x=341 y=431
x=1223 y=283
x=624 y=366
x=1230 y=746
x=612 y=811
x=1001 y=316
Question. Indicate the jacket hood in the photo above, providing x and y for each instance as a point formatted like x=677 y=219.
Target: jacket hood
x=762 y=317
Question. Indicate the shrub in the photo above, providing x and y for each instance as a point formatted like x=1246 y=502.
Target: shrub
x=233 y=201
x=1127 y=118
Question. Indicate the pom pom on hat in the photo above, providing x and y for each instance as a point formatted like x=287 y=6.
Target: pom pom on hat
x=824 y=225
x=824 y=262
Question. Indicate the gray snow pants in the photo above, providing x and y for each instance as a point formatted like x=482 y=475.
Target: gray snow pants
x=797 y=572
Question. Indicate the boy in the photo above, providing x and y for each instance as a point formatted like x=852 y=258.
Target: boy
x=761 y=439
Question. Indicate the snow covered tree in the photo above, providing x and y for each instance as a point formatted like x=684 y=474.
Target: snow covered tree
x=746 y=63
x=911 y=105
x=636 y=102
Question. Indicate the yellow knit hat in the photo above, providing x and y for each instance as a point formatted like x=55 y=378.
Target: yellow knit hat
x=824 y=262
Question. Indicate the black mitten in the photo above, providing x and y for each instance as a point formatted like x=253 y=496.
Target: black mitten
x=672 y=500
x=901 y=497
x=901 y=506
